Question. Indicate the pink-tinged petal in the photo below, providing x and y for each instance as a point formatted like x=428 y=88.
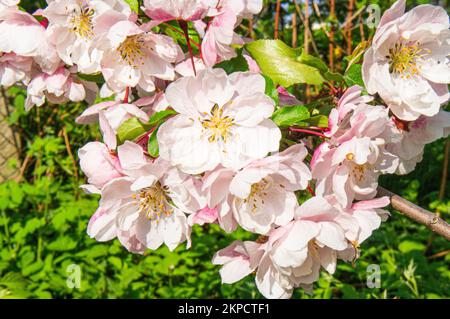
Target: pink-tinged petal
x=109 y=136
x=371 y=204
x=204 y=216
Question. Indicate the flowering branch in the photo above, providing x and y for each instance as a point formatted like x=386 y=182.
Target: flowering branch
x=418 y=214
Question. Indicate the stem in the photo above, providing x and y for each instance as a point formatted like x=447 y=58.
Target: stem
x=72 y=158
x=127 y=95
x=310 y=190
x=277 y=19
x=181 y=32
x=184 y=27
x=418 y=214
x=300 y=130
x=444 y=171
x=331 y=37
x=348 y=28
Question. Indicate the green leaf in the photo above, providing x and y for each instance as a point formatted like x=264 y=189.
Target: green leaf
x=353 y=76
x=290 y=115
x=271 y=90
x=280 y=62
x=63 y=243
x=407 y=245
x=158 y=117
x=313 y=61
x=134 y=5
x=318 y=120
x=97 y=77
x=237 y=64
x=153 y=147
x=131 y=129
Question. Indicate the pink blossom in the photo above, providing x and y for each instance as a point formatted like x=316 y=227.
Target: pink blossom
x=166 y=10
x=148 y=205
x=99 y=164
x=59 y=87
x=223 y=120
x=263 y=192
x=409 y=144
x=14 y=69
x=75 y=26
x=134 y=57
x=22 y=34
x=110 y=115
x=350 y=163
x=408 y=63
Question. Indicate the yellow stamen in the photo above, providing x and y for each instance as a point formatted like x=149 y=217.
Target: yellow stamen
x=154 y=202
x=132 y=50
x=403 y=59
x=81 y=22
x=218 y=125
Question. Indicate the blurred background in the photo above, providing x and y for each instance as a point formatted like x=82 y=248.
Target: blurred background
x=44 y=214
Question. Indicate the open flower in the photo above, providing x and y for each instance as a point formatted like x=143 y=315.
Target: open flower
x=223 y=120
x=134 y=57
x=408 y=63
x=263 y=192
x=409 y=144
x=73 y=29
x=148 y=204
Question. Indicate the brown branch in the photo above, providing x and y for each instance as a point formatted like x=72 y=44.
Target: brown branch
x=331 y=37
x=23 y=168
x=348 y=27
x=418 y=214
x=277 y=19
x=294 y=29
x=69 y=152
x=307 y=29
x=444 y=171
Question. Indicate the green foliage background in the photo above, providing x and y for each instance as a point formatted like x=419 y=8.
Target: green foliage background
x=43 y=218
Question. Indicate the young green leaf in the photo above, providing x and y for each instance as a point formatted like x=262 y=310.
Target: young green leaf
x=280 y=62
x=237 y=64
x=153 y=147
x=271 y=89
x=353 y=76
x=158 y=117
x=290 y=115
x=134 y=5
x=131 y=129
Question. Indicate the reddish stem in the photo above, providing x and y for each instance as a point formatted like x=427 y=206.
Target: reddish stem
x=180 y=32
x=323 y=129
x=184 y=27
x=127 y=95
x=300 y=130
x=310 y=190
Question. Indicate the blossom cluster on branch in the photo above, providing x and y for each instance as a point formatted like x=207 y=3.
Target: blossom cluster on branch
x=199 y=127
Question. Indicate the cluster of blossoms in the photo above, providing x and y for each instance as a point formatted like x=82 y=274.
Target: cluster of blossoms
x=220 y=157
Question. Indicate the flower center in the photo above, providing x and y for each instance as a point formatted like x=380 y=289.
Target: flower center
x=132 y=50
x=81 y=22
x=218 y=125
x=403 y=59
x=154 y=202
x=257 y=192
